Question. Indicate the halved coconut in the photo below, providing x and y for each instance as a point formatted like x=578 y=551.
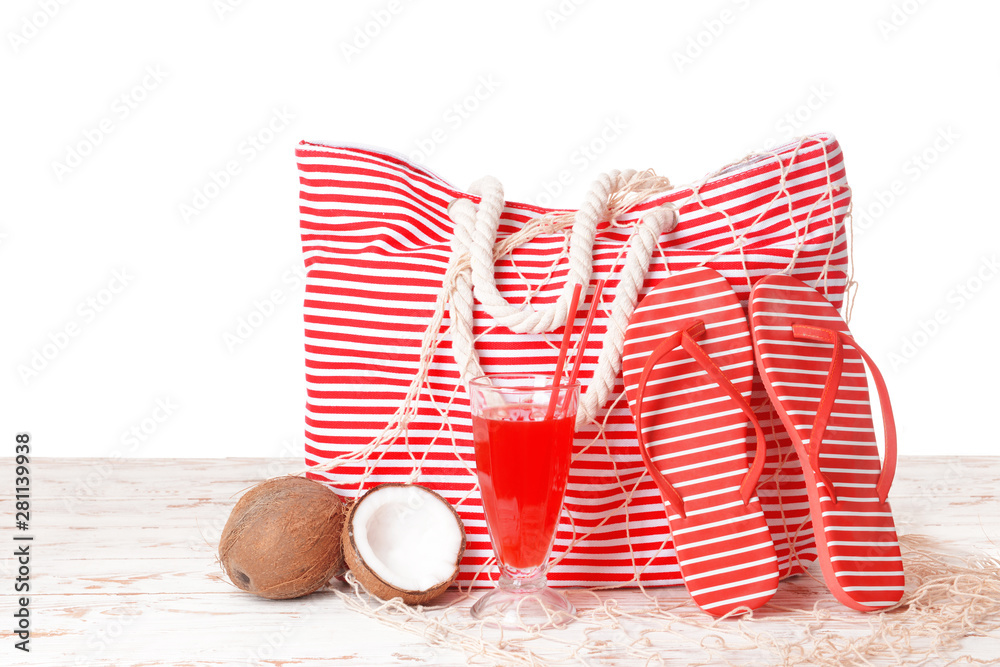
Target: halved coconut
x=405 y=541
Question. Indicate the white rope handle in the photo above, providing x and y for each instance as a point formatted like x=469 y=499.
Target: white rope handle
x=483 y=239
x=475 y=239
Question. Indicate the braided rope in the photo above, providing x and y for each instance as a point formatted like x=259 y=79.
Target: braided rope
x=475 y=241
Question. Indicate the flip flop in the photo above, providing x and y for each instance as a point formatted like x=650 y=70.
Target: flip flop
x=688 y=370
x=814 y=373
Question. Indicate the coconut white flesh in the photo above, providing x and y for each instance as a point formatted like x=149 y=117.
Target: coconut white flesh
x=407 y=536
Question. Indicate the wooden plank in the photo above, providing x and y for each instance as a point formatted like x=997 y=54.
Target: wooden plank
x=206 y=630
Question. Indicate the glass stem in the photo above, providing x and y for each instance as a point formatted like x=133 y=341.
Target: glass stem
x=519 y=581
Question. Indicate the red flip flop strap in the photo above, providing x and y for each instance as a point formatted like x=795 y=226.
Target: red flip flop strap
x=888 y=421
x=689 y=342
x=688 y=339
x=667 y=346
x=829 y=399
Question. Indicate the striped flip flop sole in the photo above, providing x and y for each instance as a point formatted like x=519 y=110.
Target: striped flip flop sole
x=694 y=437
x=797 y=335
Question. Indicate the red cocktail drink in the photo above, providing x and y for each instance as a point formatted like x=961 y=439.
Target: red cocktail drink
x=523 y=465
x=523 y=454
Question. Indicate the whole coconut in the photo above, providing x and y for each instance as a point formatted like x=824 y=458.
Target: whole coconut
x=282 y=539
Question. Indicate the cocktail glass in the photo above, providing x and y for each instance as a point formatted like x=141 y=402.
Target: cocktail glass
x=522 y=459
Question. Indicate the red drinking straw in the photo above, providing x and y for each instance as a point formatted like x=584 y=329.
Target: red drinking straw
x=574 y=302
x=582 y=345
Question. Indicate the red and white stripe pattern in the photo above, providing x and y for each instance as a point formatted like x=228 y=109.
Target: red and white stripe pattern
x=782 y=490
x=696 y=437
x=856 y=537
x=376 y=239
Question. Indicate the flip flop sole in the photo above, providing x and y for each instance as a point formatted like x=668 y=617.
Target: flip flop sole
x=856 y=540
x=696 y=437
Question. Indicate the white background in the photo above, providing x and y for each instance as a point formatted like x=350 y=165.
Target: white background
x=686 y=87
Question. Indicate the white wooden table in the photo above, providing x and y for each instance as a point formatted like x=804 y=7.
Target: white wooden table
x=123 y=572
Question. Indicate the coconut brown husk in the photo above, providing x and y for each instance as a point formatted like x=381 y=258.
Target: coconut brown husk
x=375 y=584
x=282 y=539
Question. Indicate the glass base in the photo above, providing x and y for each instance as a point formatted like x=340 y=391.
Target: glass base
x=524 y=604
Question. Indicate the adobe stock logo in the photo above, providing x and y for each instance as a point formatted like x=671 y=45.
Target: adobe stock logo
x=225 y=7
x=264 y=308
x=582 y=157
x=562 y=12
x=912 y=170
x=130 y=441
x=791 y=124
x=371 y=30
x=87 y=311
x=454 y=117
x=32 y=24
x=121 y=108
x=958 y=298
x=248 y=150
x=703 y=39
x=899 y=16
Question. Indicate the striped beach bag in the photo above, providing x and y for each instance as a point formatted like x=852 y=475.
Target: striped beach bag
x=395 y=322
